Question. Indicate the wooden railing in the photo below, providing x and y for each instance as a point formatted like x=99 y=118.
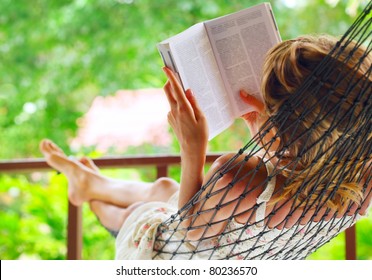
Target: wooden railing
x=161 y=163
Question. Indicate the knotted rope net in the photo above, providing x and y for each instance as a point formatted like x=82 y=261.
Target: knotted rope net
x=324 y=152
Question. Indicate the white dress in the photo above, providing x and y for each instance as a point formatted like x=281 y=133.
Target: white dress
x=136 y=238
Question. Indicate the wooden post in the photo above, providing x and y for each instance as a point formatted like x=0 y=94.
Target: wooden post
x=161 y=171
x=74 y=232
x=350 y=240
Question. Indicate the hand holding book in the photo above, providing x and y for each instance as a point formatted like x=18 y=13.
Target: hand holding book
x=257 y=116
x=254 y=103
x=186 y=118
x=220 y=57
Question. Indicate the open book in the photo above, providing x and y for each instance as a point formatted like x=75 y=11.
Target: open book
x=219 y=57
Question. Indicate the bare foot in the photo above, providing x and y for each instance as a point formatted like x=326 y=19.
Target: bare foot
x=88 y=162
x=77 y=173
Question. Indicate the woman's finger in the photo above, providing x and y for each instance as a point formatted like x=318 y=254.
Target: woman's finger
x=252 y=101
x=194 y=104
x=168 y=92
x=170 y=118
x=178 y=92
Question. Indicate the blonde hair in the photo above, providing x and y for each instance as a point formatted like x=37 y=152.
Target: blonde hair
x=286 y=67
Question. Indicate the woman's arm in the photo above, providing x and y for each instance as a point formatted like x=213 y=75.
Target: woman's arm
x=190 y=126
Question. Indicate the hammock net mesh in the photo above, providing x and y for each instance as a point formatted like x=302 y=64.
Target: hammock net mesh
x=312 y=189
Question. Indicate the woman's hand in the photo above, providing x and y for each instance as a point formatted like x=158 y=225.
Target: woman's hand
x=186 y=118
x=254 y=118
x=253 y=102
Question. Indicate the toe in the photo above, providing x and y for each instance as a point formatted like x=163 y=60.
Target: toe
x=88 y=162
x=55 y=148
x=49 y=147
x=44 y=145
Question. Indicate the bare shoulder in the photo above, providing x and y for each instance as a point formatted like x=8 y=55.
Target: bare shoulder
x=243 y=180
x=232 y=162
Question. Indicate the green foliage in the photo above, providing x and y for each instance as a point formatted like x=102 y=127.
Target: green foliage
x=32 y=218
x=56 y=56
x=364 y=240
x=333 y=250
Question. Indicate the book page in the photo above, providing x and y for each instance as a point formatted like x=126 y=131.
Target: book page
x=190 y=55
x=240 y=42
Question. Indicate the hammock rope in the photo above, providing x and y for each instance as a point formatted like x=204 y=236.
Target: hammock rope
x=347 y=159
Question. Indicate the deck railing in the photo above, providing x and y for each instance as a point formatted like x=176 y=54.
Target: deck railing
x=161 y=163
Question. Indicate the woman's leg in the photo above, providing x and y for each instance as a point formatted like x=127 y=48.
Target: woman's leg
x=87 y=184
x=110 y=216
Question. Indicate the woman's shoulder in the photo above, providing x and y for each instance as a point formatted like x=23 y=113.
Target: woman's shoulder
x=233 y=159
x=240 y=176
x=240 y=168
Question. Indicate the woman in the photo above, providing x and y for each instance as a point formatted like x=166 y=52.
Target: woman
x=238 y=210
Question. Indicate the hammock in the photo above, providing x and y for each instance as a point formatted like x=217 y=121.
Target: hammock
x=318 y=184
